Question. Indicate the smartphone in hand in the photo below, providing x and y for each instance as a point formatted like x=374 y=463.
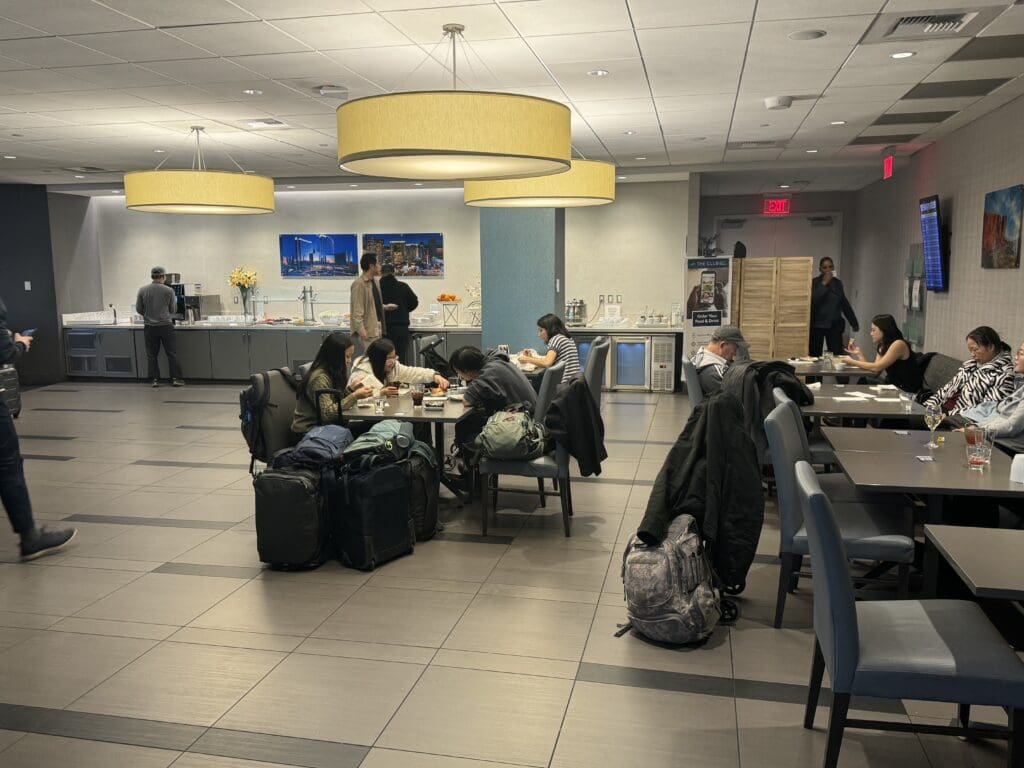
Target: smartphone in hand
x=30 y=332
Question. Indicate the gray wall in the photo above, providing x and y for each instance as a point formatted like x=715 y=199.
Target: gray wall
x=26 y=256
x=74 y=231
x=981 y=157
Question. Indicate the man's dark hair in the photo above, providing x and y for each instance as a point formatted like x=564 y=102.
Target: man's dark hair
x=367 y=261
x=467 y=360
x=387 y=269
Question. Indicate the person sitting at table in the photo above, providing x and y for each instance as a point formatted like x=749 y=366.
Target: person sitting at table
x=987 y=375
x=1005 y=418
x=711 y=361
x=893 y=356
x=561 y=348
x=329 y=370
x=380 y=370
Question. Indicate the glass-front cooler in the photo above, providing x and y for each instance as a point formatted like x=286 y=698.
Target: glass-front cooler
x=630 y=363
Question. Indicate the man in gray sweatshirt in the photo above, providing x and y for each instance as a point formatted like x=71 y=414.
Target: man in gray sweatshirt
x=157 y=304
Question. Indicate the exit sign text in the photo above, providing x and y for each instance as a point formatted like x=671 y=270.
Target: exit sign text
x=776 y=206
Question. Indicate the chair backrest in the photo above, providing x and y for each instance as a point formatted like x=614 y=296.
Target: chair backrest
x=781 y=398
x=693 y=389
x=786 y=450
x=302 y=372
x=835 y=616
x=938 y=369
x=548 y=385
x=593 y=371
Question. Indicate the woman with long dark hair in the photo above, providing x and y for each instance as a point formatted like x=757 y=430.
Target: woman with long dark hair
x=380 y=370
x=987 y=375
x=829 y=306
x=893 y=356
x=329 y=370
x=561 y=348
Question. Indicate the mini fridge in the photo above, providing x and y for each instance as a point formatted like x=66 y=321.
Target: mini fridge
x=630 y=363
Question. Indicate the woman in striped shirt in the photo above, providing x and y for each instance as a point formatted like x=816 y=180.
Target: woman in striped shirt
x=561 y=348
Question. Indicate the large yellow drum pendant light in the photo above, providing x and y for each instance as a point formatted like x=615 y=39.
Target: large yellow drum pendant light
x=198 y=190
x=451 y=135
x=589 y=182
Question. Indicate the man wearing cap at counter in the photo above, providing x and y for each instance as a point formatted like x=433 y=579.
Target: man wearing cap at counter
x=157 y=304
x=711 y=361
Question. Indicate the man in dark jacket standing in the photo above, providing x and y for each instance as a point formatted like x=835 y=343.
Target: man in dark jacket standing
x=35 y=542
x=399 y=300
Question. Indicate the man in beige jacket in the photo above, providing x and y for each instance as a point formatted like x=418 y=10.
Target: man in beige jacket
x=367 y=307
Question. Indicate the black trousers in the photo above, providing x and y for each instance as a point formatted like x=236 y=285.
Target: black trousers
x=833 y=337
x=13 y=489
x=157 y=335
x=399 y=336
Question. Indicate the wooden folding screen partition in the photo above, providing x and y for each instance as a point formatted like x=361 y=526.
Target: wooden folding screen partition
x=771 y=300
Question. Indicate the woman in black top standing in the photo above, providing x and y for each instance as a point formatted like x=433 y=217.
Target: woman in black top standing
x=828 y=307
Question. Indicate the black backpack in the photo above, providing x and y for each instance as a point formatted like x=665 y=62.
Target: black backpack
x=266 y=408
x=424 y=490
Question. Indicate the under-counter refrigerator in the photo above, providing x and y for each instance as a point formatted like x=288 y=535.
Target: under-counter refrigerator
x=630 y=362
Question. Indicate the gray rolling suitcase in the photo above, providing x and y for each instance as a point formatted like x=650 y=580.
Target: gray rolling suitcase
x=10 y=389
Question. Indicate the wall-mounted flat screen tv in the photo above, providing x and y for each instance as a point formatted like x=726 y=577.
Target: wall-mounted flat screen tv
x=936 y=249
x=319 y=255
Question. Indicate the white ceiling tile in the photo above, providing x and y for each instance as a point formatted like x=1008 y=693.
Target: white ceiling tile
x=10 y=65
x=140 y=45
x=240 y=39
x=688 y=13
x=510 y=61
x=808 y=9
x=651 y=159
x=390 y=67
x=159 y=13
x=694 y=144
x=558 y=49
x=363 y=30
x=866 y=77
x=769 y=41
x=404 y=5
x=552 y=17
x=357 y=86
x=841 y=95
x=926 y=53
x=699 y=123
x=275 y=9
x=16 y=120
x=615 y=107
x=823 y=153
x=299 y=105
x=200 y=71
x=172 y=95
x=706 y=43
x=483 y=22
x=67 y=17
x=326 y=121
x=150 y=113
x=902 y=6
x=626 y=79
x=681 y=76
x=692 y=103
x=781 y=80
x=646 y=127
x=858 y=112
x=270 y=89
x=288 y=65
x=751 y=155
x=43 y=81
x=696 y=156
x=119 y=75
x=11 y=30
x=976 y=70
x=228 y=110
x=52 y=52
x=550 y=92
x=104 y=99
x=1009 y=22
x=32 y=102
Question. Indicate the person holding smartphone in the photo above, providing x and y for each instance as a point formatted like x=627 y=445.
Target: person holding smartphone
x=35 y=542
x=829 y=306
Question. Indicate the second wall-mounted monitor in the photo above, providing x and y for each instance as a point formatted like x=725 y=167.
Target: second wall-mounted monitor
x=314 y=256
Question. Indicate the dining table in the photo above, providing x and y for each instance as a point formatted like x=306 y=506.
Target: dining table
x=821 y=369
x=860 y=401
x=987 y=560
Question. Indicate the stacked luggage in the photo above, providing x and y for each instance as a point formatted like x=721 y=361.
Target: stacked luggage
x=10 y=390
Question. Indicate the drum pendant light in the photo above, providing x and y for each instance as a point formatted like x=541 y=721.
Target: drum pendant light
x=588 y=182
x=198 y=190
x=453 y=135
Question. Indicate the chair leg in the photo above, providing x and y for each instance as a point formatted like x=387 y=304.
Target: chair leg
x=1015 y=757
x=785 y=574
x=794 y=579
x=484 y=481
x=568 y=493
x=563 y=496
x=543 y=493
x=963 y=716
x=814 y=686
x=903 y=581
x=554 y=483
x=836 y=726
x=493 y=490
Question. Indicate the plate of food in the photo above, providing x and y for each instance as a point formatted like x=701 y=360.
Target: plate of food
x=457 y=396
x=434 y=402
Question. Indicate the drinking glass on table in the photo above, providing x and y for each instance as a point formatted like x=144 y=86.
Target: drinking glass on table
x=933 y=416
x=379 y=402
x=827 y=360
x=979 y=447
x=907 y=400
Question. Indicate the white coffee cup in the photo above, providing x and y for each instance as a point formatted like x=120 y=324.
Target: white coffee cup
x=1017 y=469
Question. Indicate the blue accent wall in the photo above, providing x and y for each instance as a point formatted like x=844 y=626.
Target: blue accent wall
x=522 y=273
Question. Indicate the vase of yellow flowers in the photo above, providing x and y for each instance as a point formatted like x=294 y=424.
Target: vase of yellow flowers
x=245 y=281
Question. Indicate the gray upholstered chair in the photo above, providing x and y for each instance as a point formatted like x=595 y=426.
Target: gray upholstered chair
x=553 y=465
x=819 y=449
x=693 y=390
x=593 y=370
x=926 y=650
x=882 y=533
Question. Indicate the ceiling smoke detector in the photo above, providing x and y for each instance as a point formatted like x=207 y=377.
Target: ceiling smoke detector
x=337 y=91
x=778 y=102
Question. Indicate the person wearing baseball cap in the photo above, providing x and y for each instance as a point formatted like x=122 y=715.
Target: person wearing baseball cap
x=158 y=304
x=711 y=361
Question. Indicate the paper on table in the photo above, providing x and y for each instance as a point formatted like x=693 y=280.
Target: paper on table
x=887 y=399
x=880 y=387
x=848 y=399
x=815 y=385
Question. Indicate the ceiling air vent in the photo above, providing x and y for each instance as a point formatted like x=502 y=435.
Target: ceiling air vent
x=820 y=221
x=731 y=223
x=755 y=145
x=88 y=169
x=939 y=24
x=931 y=25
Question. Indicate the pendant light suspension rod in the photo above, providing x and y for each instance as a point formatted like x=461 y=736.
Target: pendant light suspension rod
x=454 y=31
x=198 y=159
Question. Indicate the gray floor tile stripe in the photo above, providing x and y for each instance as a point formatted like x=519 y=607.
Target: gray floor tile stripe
x=48 y=390
x=727 y=687
x=196 y=464
x=641 y=442
x=80 y=410
x=202 y=402
x=42 y=457
x=196 y=569
x=279 y=749
x=766 y=559
x=610 y=481
x=83 y=725
x=633 y=403
x=212 y=429
x=47 y=437
x=158 y=522
x=474 y=538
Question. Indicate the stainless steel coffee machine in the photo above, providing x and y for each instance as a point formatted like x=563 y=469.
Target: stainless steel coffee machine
x=576 y=313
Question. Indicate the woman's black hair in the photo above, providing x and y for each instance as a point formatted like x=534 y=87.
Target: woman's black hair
x=467 y=360
x=553 y=325
x=984 y=336
x=377 y=353
x=330 y=358
x=890 y=332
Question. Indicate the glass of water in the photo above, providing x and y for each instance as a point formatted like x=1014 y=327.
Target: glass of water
x=379 y=402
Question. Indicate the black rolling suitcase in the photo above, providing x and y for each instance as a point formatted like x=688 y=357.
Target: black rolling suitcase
x=10 y=389
x=371 y=523
x=292 y=527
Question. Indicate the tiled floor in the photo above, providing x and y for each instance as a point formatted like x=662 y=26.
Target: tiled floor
x=159 y=639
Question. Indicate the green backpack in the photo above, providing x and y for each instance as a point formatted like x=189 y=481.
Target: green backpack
x=512 y=436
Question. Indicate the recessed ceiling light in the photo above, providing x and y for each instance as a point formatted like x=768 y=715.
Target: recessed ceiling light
x=641 y=158
x=629 y=133
x=115 y=191
x=811 y=151
x=252 y=92
x=902 y=55
x=599 y=73
x=417 y=183
x=838 y=122
x=620 y=178
x=783 y=186
x=698 y=138
x=159 y=151
x=807 y=34
x=10 y=157
x=353 y=185
x=290 y=186
x=79 y=177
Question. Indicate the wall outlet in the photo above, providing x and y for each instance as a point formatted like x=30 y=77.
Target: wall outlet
x=234 y=299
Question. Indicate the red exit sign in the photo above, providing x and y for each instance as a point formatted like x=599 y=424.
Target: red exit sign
x=776 y=206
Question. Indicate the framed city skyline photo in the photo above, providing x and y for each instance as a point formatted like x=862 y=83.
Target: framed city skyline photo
x=1000 y=233
x=417 y=254
x=316 y=256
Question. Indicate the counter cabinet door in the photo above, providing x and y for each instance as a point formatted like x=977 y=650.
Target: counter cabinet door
x=194 y=354
x=303 y=345
x=229 y=354
x=117 y=353
x=267 y=350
